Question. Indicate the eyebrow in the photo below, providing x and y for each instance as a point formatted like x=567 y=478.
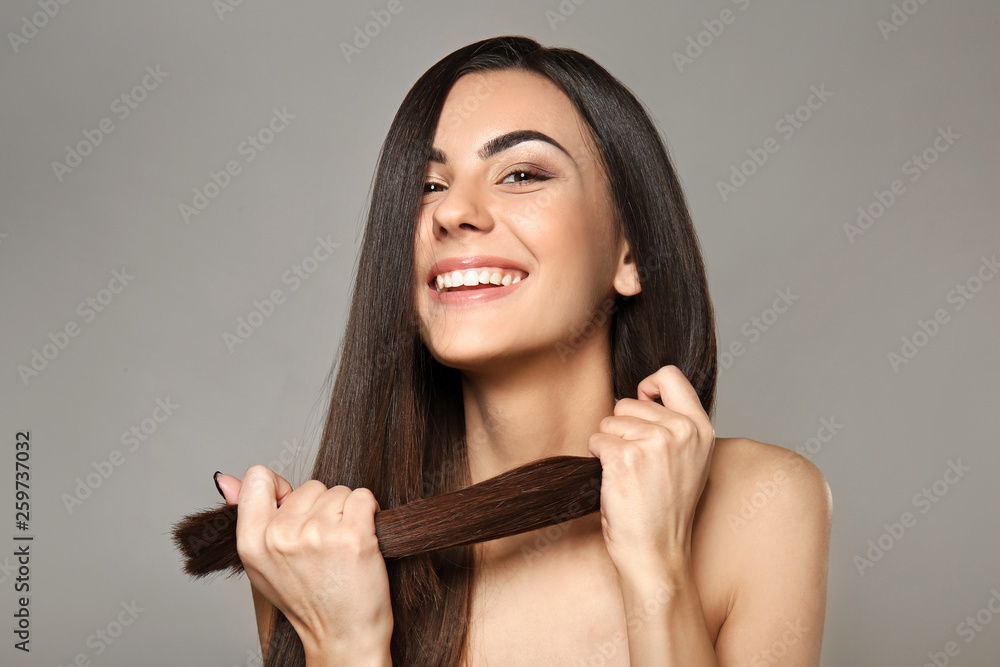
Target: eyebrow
x=501 y=143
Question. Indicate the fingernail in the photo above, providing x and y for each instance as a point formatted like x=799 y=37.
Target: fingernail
x=215 y=477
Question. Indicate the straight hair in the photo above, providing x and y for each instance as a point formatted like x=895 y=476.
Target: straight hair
x=396 y=423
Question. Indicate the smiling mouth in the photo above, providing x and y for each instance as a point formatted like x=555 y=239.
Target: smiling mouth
x=470 y=295
x=476 y=279
x=466 y=288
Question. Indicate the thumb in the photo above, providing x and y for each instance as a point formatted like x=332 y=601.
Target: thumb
x=228 y=486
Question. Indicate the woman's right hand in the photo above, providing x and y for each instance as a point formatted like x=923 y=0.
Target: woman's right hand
x=313 y=553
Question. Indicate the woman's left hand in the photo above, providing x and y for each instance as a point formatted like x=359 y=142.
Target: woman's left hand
x=655 y=461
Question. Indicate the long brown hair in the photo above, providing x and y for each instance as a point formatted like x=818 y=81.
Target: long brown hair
x=396 y=421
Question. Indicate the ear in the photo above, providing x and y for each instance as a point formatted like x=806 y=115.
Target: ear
x=627 y=275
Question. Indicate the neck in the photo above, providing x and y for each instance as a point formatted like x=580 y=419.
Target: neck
x=548 y=406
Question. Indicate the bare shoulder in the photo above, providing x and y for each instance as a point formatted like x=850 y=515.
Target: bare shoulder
x=760 y=497
x=753 y=474
x=773 y=507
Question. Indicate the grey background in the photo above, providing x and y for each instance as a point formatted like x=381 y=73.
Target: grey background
x=162 y=336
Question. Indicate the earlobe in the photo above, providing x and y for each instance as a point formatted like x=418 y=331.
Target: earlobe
x=627 y=277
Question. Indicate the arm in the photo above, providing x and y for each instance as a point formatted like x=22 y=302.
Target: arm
x=265 y=612
x=778 y=605
x=317 y=560
x=655 y=460
x=664 y=616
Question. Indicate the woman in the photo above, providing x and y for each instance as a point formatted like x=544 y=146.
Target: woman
x=530 y=285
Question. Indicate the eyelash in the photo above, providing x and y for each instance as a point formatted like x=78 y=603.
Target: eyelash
x=533 y=175
x=530 y=174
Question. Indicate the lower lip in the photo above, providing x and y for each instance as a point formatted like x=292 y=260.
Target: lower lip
x=473 y=296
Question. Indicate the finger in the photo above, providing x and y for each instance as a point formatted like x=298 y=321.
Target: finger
x=675 y=392
x=629 y=427
x=604 y=446
x=614 y=453
x=630 y=410
x=672 y=388
x=331 y=502
x=359 y=510
x=645 y=410
x=302 y=499
x=229 y=486
x=260 y=494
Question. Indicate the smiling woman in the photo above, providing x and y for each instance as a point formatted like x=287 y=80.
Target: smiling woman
x=519 y=178
x=507 y=230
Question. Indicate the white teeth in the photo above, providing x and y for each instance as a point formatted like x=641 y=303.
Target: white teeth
x=473 y=277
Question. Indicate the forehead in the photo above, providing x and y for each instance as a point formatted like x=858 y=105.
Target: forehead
x=481 y=106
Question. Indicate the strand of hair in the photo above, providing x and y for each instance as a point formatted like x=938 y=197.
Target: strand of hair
x=536 y=495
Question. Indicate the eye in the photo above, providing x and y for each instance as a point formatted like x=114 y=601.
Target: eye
x=524 y=176
x=433 y=187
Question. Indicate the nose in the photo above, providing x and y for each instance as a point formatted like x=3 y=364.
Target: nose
x=459 y=210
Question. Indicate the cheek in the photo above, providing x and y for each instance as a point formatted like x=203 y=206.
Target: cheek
x=588 y=268
x=579 y=243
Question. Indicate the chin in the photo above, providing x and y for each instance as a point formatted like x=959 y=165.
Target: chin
x=485 y=358
x=469 y=360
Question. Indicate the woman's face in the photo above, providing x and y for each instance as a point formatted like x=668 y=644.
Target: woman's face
x=514 y=188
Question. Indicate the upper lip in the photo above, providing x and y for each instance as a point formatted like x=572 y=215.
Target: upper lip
x=472 y=262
